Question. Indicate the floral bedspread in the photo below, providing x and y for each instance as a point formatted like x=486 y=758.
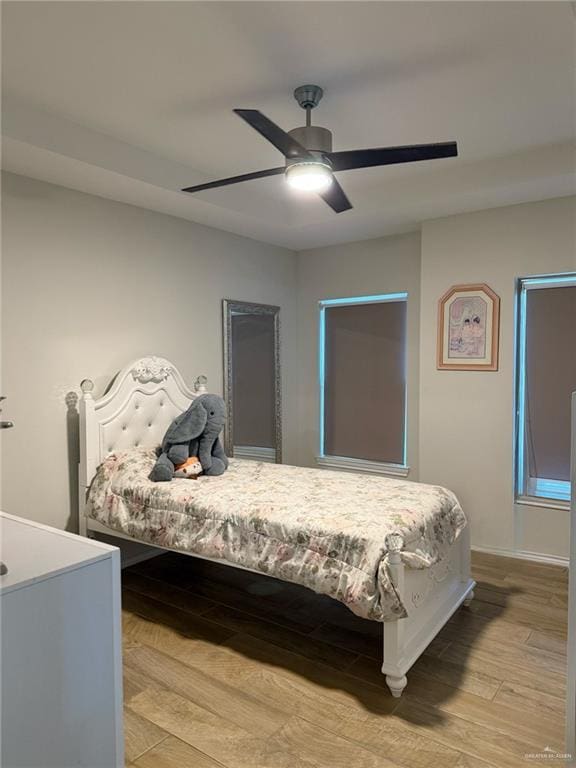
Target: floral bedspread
x=325 y=530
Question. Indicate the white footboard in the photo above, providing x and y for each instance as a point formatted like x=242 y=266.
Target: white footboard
x=431 y=596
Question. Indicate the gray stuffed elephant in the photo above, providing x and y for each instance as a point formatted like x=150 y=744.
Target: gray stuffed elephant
x=194 y=433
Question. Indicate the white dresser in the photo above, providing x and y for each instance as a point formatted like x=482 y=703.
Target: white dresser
x=61 y=664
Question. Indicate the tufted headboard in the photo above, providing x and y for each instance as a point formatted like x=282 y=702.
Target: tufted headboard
x=135 y=411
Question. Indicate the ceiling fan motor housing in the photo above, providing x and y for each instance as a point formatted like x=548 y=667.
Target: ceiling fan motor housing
x=313 y=138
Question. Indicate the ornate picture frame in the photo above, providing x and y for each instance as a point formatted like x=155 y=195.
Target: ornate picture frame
x=468 y=328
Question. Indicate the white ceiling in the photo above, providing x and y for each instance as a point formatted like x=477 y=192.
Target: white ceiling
x=133 y=100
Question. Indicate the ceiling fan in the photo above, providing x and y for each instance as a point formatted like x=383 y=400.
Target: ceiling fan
x=310 y=163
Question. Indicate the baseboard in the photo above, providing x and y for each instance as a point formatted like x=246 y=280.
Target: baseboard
x=535 y=557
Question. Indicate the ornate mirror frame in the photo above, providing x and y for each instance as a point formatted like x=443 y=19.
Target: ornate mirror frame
x=230 y=307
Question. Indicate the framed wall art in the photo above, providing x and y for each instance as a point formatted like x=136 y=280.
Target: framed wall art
x=468 y=328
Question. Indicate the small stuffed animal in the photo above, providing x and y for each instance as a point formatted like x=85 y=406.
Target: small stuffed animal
x=190 y=468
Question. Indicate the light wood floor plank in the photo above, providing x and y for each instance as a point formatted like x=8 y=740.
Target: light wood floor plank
x=530 y=700
x=547 y=641
x=324 y=748
x=512 y=597
x=205 y=691
x=486 y=662
x=215 y=660
x=173 y=753
x=209 y=733
x=474 y=740
x=467 y=627
x=296 y=697
x=545 y=617
x=134 y=681
x=466 y=761
x=513 y=565
x=396 y=742
x=140 y=735
x=520 y=654
x=497 y=717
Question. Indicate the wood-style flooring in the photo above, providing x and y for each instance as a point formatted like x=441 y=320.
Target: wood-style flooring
x=226 y=669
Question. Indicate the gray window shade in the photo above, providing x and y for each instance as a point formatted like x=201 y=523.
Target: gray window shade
x=365 y=381
x=253 y=380
x=550 y=380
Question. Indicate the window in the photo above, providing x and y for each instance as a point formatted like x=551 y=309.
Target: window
x=546 y=378
x=363 y=382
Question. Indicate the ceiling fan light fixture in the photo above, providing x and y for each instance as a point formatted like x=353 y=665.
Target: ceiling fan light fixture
x=309 y=176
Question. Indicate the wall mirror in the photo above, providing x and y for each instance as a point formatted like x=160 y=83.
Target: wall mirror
x=252 y=387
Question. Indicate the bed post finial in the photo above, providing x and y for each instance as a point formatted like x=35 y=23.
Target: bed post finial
x=200 y=385
x=87 y=387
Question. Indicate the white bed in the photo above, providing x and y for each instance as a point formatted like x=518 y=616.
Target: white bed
x=136 y=411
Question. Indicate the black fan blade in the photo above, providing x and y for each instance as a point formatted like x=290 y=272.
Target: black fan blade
x=236 y=179
x=336 y=198
x=275 y=135
x=367 y=158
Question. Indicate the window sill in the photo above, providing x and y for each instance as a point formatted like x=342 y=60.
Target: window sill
x=362 y=465
x=538 y=501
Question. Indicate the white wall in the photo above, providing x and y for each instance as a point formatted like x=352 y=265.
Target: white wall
x=467 y=417
x=369 y=267
x=90 y=284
